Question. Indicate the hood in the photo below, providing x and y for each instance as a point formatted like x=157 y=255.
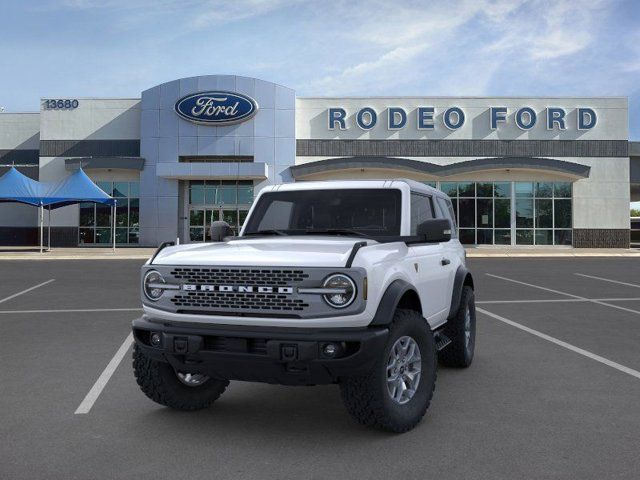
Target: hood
x=309 y=251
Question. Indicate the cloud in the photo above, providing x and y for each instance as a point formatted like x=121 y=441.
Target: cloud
x=411 y=38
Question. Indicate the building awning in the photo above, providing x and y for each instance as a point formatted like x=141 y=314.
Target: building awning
x=210 y=170
x=575 y=170
x=91 y=163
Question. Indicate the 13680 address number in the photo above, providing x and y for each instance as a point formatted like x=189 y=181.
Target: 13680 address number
x=60 y=104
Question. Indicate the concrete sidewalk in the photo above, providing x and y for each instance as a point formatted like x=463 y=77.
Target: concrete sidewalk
x=140 y=253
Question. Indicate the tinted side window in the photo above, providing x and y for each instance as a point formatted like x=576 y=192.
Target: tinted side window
x=447 y=209
x=421 y=210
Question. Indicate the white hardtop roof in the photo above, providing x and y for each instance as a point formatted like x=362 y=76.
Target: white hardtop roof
x=335 y=184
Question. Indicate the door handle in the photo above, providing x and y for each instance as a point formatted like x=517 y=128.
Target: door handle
x=445 y=261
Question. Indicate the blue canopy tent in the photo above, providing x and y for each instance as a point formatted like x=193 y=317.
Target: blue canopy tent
x=17 y=187
x=77 y=188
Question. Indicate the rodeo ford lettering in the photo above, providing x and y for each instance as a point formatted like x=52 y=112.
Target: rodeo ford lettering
x=359 y=283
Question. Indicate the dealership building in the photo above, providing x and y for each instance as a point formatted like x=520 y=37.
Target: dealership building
x=524 y=171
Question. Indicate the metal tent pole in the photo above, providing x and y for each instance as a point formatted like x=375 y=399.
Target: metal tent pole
x=49 y=232
x=113 y=211
x=41 y=226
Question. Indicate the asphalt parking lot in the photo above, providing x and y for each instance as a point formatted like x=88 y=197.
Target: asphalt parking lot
x=553 y=391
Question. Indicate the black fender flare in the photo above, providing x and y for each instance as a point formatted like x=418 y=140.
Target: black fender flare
x=463 y=277
x=390 y=300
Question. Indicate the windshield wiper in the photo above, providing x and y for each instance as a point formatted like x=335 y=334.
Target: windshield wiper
x=337 y=231
x=266 y=232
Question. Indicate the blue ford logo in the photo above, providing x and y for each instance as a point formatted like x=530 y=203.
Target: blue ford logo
x=216 y=108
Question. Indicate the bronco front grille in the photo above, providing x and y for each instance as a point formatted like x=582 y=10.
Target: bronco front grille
x=239 y=276
x=238 y=301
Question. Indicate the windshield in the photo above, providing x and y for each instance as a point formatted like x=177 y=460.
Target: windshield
x=358 y=212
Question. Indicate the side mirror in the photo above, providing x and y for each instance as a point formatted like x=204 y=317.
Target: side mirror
x=435 y=231
x=219 y=230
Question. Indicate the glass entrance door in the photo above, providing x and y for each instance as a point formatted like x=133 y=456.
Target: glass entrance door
x=212 y=200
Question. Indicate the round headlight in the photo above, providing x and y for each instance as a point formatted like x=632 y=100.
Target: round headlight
x=152 y=285
x=344 y=290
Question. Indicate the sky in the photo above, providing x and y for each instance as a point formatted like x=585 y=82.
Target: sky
x=118 y=48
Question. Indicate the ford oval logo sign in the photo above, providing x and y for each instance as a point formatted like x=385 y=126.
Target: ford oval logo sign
x=216 y=107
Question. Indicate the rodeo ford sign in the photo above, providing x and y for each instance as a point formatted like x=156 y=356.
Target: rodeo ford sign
x=216 y=108
x=453 y=118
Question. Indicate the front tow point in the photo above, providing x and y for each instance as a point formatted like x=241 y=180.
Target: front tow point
x=180 y=345
x=288 y=353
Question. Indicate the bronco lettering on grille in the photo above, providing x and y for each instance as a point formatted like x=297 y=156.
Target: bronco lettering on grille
x=237 y=288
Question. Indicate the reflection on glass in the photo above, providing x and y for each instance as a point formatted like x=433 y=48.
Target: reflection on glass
x=134 y=189
x=562 y=190
x=544 y=190
x=231 y=217
x=524 y=237
x=484 y=189
x=466 y=189
x=121 y=189
x=524 y=212
x=430 y=184
x=544 y=215
x=134 y=212
x=450 y=188
x=86 y=235
x=524 y=189
x=544 y=237
x=106 y=187
x=122 y=215
x=485 y=236
x=467 y=214
x=467 y=236
x=196 y=234
x=502 y=237
x=196 y=194
x=563 y=237
x=103 y=215
x=121 y=235
x=87 y=215
x=562 y=213
x=227 y=195
x=245 y=195
x=196 y=217
x=502 y=189
x=503 y=213
x=103 y=235
x=133 y=235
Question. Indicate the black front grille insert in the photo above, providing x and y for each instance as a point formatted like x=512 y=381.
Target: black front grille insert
x=238 y=301
x=239 y=276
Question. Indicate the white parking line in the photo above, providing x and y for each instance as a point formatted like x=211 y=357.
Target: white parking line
x=599 y=302
x=74 y=310
x=26 y=291
x=568 y=346
x=555 y=300
x=103 y=379
x=608 y=280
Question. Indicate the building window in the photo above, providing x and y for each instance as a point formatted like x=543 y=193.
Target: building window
x=211 y=200
x=96 y=222
x=542 y=212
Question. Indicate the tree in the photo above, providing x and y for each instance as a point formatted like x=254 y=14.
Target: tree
x=635 y=212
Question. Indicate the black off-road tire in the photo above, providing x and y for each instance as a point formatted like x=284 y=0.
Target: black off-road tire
x=366 y=397
x=459 y=353
x=159 y=382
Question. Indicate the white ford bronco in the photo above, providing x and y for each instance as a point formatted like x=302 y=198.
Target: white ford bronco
x=358 y=283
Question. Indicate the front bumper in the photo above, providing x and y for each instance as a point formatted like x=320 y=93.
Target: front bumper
x=288 y=356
